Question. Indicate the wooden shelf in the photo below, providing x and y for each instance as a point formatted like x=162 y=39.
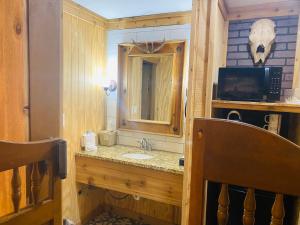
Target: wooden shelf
x=258 y=106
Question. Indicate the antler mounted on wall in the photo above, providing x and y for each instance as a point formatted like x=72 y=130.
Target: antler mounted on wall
x=149 y=47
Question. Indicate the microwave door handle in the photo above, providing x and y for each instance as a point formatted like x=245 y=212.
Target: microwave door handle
x=267 y=78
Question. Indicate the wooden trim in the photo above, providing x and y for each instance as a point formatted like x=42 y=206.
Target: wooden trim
x=284 y=8
x=223 y=8
x=152 y=184
x=296 y=80
x=26 y=70
x=196 y=95
x=150 y=121
x=75 y=9
x=124 y=122
x=211 y=55
x=149 y=55
x=258 y=106
x=218 y=37
x=155 y=20
x=164 y=19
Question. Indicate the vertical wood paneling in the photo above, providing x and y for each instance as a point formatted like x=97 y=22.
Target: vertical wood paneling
x=83 y=102
x=163 y=212
x=195 y=104
x=218 y=36
x=208 y=43
x=13 y=93
x=296 y=80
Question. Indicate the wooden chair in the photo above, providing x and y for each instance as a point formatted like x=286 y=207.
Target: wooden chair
x=46 y=161
x=239 y=154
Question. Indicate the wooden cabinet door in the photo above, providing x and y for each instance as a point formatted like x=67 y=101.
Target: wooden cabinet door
x=13 y=86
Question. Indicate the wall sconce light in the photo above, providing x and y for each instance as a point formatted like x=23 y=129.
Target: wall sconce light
x=111 y=86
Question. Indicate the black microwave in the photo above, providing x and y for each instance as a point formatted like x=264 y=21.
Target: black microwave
x=249 y=84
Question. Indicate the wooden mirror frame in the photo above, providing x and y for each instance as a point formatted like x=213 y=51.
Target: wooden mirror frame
x=174 y=128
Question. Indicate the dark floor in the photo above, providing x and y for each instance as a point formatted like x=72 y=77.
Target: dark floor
x=108 y=218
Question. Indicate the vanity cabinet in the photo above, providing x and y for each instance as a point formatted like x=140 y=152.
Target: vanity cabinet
x=161 y=186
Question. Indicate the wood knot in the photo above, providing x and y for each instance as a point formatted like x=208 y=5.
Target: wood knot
x=90 y=180
x=18 y=29
x=127 y=183
x=200 y=133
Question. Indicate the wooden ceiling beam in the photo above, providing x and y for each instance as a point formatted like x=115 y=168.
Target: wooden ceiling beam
x=283 y=8
x=165 y=19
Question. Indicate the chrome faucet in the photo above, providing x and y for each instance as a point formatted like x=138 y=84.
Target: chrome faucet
x=145 y=144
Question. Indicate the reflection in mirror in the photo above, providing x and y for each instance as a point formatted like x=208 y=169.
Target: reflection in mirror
x=150 y=87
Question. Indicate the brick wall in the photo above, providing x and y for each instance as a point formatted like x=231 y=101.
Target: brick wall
x=282 y=53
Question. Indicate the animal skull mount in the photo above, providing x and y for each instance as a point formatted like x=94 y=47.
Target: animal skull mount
x=261 y=38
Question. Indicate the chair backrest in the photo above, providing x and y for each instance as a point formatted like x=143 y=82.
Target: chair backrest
x=235 y=153
x=45 y=163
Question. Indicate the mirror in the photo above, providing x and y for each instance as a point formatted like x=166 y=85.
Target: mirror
x=150 y=87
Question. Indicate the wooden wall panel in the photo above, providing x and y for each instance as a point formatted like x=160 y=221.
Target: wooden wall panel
x=163 y=212
x=83 y=103
x=263 y=9
x=13 y=86
x=217 y=51
x=164 y=19
x=196 y=93
x=208 y=52
x=296 y=80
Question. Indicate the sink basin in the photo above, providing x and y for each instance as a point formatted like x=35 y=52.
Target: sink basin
x=137 y=156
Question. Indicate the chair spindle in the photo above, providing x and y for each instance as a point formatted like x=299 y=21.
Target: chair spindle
x=278 y=211
x=223 y=206
x=249 y=207
x=16 y=189
x=35 y=183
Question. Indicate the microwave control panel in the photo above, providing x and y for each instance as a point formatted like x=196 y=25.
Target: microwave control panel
x=275 y=84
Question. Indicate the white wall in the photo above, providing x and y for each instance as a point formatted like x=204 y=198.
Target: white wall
x=114 y=38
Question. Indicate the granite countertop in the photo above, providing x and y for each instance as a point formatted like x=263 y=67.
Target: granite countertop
x=163 y=161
